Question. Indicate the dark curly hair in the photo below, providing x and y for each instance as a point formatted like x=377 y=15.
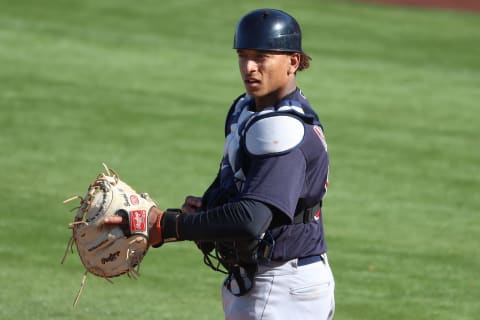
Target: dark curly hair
x=304 y=62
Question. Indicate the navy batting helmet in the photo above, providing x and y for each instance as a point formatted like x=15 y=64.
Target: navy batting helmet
x=268 y=30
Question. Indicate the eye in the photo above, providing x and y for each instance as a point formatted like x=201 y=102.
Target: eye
x=261 y=57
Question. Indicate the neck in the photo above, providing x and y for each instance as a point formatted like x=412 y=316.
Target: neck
x=273 y=98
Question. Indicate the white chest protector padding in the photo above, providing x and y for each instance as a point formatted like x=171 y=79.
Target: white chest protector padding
x=275 y=134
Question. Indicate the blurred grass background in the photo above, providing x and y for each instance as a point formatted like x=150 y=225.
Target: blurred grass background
x=144 y=86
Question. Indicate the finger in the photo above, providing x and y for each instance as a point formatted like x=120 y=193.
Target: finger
x=113 y=220
x=194 y=201
x=188 y=209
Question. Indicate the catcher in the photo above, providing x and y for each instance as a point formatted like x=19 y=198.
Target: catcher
x=261 y=221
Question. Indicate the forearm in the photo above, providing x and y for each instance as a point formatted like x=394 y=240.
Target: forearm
x=246 y=219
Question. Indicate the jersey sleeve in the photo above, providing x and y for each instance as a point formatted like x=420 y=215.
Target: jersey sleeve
x=275 y=163
x=277 y=180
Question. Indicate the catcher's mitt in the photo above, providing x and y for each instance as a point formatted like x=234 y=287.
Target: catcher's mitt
x=110 y=250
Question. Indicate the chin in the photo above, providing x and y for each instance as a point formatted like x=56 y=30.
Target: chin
x=254 y=93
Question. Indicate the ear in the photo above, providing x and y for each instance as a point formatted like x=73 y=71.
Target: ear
x=294 y=62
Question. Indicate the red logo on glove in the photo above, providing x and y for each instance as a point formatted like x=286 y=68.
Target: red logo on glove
x=138 y=221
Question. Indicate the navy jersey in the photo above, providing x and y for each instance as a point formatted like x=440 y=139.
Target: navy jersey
x=278 y=156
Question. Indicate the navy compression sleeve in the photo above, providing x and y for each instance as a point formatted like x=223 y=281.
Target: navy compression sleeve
x=242 y=220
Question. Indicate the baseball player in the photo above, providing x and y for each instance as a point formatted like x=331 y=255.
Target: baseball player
x=260 y=221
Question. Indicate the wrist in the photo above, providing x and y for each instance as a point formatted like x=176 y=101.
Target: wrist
x=155 y=234
x=169 y=225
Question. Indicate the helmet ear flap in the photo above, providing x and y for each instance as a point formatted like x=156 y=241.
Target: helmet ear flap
x=268 y=30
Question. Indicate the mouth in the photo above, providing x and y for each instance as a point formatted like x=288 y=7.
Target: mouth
x=251 y=82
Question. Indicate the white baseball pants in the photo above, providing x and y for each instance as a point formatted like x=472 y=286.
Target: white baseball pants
x=285 y=291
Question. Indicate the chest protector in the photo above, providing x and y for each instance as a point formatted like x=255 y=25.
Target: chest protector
x=271 y=131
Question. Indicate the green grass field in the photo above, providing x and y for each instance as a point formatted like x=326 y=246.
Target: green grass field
x=144 y=86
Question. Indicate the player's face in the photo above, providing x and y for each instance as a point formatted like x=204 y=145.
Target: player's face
x=267 y=76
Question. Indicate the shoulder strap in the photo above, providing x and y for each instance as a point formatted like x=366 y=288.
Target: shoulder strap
x=233 y=108
x=302 y=110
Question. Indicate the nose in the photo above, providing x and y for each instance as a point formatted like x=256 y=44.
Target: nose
x=248 y=66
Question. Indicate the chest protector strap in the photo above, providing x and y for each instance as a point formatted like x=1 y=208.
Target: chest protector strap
x=308 y=214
